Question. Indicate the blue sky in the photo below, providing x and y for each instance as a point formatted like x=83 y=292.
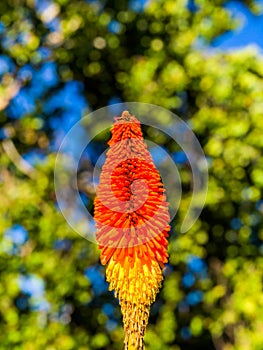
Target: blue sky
x=249 y=32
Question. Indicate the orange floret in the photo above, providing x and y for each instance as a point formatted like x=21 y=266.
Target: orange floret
x=132 y=221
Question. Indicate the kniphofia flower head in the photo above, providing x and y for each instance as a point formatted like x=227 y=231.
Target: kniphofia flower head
x=132 y=221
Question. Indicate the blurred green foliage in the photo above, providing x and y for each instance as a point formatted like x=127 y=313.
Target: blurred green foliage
x=212 y=295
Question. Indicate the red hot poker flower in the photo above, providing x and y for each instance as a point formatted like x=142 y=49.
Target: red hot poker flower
x=132 y=221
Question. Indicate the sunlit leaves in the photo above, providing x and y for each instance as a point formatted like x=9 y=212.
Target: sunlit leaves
x=157 y=54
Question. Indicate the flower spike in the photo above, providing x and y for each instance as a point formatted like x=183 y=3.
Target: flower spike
x=132 y=221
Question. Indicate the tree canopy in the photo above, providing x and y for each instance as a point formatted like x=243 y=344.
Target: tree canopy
x=61 y=59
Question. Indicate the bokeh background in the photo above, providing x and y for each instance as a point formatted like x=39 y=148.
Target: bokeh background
x=61 y=59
